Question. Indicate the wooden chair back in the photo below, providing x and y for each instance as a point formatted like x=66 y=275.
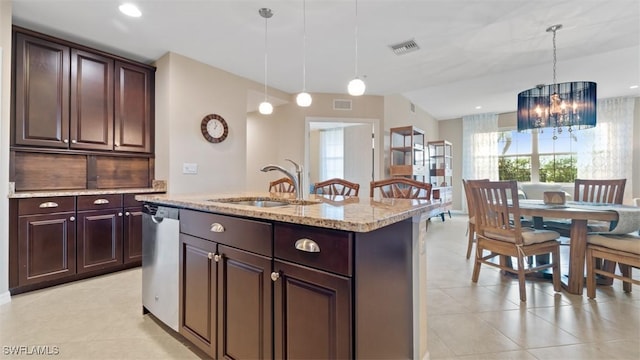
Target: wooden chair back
x=401 y=188
x=470 y=200
x=600 y=191
x=336 y=186
x=497 y=210
x=282 y=185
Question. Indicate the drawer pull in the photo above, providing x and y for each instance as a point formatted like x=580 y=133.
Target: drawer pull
x=307 y=245
x=275 y=276
x=217 y=227
x=48 y=204
x=100 y=201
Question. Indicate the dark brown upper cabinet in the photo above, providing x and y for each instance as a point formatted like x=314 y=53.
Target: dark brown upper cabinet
x=68 y=96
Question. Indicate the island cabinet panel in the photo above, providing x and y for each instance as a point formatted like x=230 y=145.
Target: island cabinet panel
x=46 y=239
x=99 y=232
x=244 y=305
x=41 y=92
x=197 y=294
x=312 y=314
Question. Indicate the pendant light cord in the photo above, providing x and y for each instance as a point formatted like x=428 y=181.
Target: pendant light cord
x=304 y=46
x=265 y=58
x=356 y=35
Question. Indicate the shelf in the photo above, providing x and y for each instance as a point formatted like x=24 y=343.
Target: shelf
x=407 y=153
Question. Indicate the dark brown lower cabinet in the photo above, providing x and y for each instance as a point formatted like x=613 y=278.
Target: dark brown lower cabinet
x=198 y=274
x=244 y=305
x=99 y=240
x=47 y=248
x=312 y=313
x=132 y=241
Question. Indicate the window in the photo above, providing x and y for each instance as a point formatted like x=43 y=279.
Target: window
x=538 y=157
x=331 y=153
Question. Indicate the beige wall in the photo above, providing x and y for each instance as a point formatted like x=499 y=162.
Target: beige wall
x=187 y=91
x=5 y=96
x=635 y=190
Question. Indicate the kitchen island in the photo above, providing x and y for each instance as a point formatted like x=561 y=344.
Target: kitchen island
x=324 y=277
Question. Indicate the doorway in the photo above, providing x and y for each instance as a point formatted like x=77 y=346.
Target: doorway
x=343 y=148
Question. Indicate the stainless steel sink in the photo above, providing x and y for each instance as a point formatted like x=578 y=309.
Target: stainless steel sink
x=263 y=202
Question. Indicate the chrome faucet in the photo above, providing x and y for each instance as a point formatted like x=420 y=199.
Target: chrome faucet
x=296 y=179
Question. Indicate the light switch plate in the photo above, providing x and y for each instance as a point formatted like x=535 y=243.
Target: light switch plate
x=189 y=168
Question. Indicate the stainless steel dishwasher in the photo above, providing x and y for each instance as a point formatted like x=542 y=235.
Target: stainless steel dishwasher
x=160 y=253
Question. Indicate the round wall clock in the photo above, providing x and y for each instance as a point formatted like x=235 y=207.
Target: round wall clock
x=214 y=128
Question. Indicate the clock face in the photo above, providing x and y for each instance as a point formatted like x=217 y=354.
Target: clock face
x=214 y=128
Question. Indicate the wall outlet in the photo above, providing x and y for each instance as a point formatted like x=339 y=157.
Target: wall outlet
x=189 y=168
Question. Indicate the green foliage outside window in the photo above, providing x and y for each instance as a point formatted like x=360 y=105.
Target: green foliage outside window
x=558 y=169
x=518 y=168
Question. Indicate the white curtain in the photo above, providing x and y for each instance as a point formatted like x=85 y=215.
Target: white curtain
x=479 y=148
x=331 y=153
x=608 y=155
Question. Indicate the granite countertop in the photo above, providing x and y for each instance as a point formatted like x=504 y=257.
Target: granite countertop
x=159 y=186
x=334 y=212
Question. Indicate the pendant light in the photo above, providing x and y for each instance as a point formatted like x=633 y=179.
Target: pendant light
x=571 y=105
x=356 y=86
x=304 y=99
x=265 y=107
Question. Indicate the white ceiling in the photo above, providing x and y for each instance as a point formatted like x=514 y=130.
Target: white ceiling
x=472 y=52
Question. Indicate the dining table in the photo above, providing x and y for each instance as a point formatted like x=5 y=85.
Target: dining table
x=579 y=213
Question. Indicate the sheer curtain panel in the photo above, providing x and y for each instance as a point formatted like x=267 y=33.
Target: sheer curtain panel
x=479 y=147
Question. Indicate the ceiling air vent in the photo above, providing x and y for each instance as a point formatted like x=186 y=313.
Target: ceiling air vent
x=404 y=47
x=341 y=104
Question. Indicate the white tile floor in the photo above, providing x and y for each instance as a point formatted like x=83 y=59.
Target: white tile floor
x=101 y=318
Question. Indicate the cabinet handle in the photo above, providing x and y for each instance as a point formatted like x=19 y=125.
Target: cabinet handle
x=48 y=204
x=117 y=144
x=210 y=255
x=307 y=245
x=66 y=141
x=100 y=201
x=217 y=227
x=119 y=214
x=74 y=141
x=127 y=213
x=216 y=257
x=72 y=218
x=275 y=276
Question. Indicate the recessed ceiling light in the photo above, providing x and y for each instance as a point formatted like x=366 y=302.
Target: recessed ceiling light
x=478 y=107
x=633 y=87
x=130 y=10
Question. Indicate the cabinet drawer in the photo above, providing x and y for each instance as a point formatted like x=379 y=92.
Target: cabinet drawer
x=129 y=200
x=335 y=247
x=46 y=205
x=97 y=202
x=244 y=234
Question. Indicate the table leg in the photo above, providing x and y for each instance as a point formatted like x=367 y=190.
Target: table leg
x=577 y=252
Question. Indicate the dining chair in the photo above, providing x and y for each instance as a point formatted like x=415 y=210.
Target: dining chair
x=621 y=249
x=471 y=225
x=399 y=187
x=499 y=231
x=282 y=185
x=336 y=186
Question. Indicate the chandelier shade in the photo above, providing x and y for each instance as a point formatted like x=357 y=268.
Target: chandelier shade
x=571 y=105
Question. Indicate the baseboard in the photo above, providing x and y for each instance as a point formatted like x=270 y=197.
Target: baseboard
x=5 y=298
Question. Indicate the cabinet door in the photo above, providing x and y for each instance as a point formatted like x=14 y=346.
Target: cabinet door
x=244 y=305
x=312 y=314
x=46 y=248
x=91 y=101
x=134 y=106
x=132 y=235
x=198 y=273
x=99 y=239
x=41 y=92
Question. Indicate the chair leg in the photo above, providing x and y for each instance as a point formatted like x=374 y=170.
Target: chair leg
x=476 y=264
x=521 y=279
x=472 y=233
x=591 y=275
x=608 y=266
x=555 y=257
x=626 y=272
